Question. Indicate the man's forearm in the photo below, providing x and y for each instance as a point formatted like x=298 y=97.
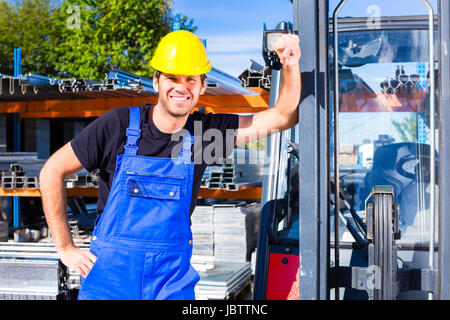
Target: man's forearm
x=284 y=114
x=289 y=97
x=54 y=204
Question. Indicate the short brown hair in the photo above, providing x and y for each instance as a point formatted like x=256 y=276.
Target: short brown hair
x=158 y=74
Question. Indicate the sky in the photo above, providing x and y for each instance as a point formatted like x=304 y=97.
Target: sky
x=233 y=28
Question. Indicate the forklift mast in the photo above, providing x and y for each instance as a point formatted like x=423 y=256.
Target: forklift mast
x=354 y=195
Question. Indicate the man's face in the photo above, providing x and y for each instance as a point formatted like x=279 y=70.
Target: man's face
x=178 y=94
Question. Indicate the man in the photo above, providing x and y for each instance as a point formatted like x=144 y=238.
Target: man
x=142 y=243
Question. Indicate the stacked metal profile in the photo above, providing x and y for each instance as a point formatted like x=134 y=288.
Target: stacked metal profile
x=256 y=76
x=128 y=80
x=224 y=281
x=32 y=271
x=202 y=231
x=203 y=238
x=83 y=179
x=20 y=170
x=225 y=231
x=116 y=83
x=35 y=86
x=12 y=172
x=15 y=86
x=243 y=168
x=16 y=156
x=220 y=177
x=217 y=83
x=235 y=231
x=224 y=237
x=15 y=177
x=221 y=83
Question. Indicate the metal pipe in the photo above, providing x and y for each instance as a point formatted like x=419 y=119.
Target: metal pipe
x=432 y=135
x=273 y=144
x=17 y=61
x=336 y=137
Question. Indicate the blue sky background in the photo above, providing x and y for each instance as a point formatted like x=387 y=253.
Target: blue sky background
x=233 y=28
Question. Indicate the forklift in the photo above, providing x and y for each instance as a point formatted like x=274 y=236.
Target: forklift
x=354 y=196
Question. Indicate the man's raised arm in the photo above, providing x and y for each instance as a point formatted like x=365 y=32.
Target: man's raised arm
x=284 y=114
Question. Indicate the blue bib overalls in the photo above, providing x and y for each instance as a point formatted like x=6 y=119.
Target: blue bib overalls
x=143 y=239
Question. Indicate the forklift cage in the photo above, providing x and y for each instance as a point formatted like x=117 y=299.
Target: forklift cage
x=316 y=276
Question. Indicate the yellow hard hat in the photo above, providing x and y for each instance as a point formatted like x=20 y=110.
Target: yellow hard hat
x=181 y=52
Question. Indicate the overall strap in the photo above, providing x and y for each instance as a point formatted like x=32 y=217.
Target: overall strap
x=188 y=141
x=133 y=131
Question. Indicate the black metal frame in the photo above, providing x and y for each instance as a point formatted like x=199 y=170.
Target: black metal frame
x=268 y=201
x=311 y=23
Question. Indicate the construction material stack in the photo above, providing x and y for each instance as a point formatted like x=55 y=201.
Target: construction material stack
x=225 y=270
x=243 y=168
x=203 y=238
x=235 y=231
x=223 y=282
x=32 y=271
x=20 y=170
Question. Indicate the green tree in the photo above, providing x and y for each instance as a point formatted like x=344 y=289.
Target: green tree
x=97 y=36
x=27 y=24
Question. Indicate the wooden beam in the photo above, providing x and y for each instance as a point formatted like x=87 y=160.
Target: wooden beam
x=13 y=107
x=99 y=106
x=63 y=114
x=261 y=91
x=98 y=113
x=234 y=109
x=246 y=100
x=253 y=193
x=71 y=192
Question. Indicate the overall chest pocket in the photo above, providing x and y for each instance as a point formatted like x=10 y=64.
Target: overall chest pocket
x=154 y=189
x=151 y=208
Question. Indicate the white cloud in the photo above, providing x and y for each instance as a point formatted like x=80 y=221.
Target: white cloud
x=231 y=52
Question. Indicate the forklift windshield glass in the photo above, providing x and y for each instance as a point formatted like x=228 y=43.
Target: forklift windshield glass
x=384 y=120
x=286 y=221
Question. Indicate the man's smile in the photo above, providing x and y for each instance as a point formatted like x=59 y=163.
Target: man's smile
x=179 y=98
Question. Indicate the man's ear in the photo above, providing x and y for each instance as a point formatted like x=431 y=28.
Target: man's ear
x=203 y=89
x=155 y=84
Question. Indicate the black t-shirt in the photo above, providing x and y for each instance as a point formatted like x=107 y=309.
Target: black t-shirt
x=98 y=145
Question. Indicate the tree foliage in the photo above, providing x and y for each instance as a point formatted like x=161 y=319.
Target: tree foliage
x=29 y=25
x=84 y=38
x=98 y=36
